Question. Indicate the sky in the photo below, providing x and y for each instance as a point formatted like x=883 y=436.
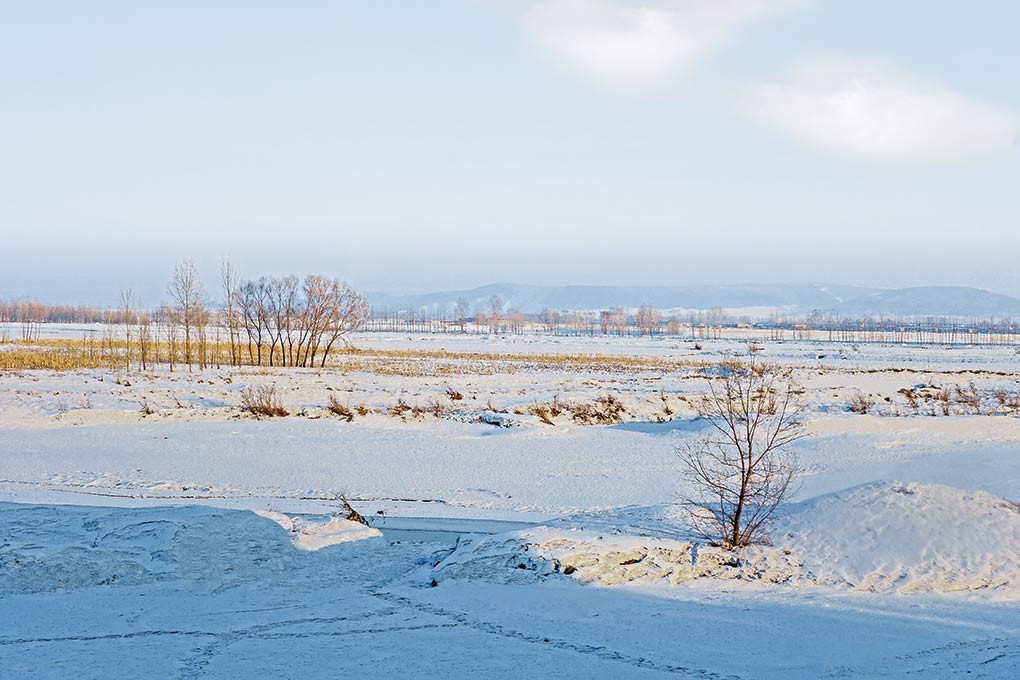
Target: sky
x=419 y=145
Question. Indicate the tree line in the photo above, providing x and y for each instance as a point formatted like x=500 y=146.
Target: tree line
x=271 y=321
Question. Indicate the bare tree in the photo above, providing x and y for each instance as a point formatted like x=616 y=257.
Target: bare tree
x=186 y=291
x=127 y=301
x=496 y=310
x=463 y=310
x=145 y=339
x=742 y=470
x=228 y=281
x=297 y=323
x=348 y=311
x=168 y=319
x=647 y=319
x=550 y=318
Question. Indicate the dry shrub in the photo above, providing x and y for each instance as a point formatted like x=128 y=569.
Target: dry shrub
x=145 y=409
x=665 y=405
x=968 y=398
x=861 y=403
x=1013 y=404
x=543 y=413
x=555 y=408
x=400 y=408
x=453 y=394
x=944 y=398
x=436 y=408
x=262 y=400
x=363 y=409
x=607 y=410
x=345 y=511
x=912 y=399
x=342 y=410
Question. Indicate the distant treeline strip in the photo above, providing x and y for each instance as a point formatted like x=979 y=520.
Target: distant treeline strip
x=274 y=321
x=286 y=321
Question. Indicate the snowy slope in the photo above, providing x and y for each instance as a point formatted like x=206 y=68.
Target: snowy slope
x=882 y=537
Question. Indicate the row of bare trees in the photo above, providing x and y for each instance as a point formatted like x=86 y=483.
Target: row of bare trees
x=270 y=321
x=274 y=321
x=289 y=322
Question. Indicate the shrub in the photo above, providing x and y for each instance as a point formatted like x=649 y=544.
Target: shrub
x=543 y=413
x=400 y=408
x=861 y=403
x=555 y=408
x=945 y=399
x=453 y=394
x=438 y=408
x=969 y=398
x=912 y=399
x=342 y=410
x=262 y=400
x=607 y=410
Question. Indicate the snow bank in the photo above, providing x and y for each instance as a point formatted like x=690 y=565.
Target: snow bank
x=48 y=548
x=882 y=537
x=906 y=537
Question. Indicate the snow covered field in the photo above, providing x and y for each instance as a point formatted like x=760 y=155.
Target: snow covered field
x=128 y=547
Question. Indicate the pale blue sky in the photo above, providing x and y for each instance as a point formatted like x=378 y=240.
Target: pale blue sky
x=448 y=143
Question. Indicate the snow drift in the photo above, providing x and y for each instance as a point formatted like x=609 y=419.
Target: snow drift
x=882 y=537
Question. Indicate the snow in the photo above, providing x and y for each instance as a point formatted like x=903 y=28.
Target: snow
x=198 y=592
x=882 y=537
x=199 y=542
x=318 y=535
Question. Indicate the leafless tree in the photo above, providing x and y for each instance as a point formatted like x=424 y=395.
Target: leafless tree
x=145 y=339
x=127 y=303
x=168 y=318
x=186 y=291
x=228 y=282
x=291 y=323
x=742 y=470
x=496 y=311
x=648 y=319
x=463 y=310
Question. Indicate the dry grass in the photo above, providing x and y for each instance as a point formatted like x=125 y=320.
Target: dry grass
x=543 y=413
x=861 y=403
x=338 y=409
x=75 y=354
x=400 y=408
x=262 y=400
x=607 y=410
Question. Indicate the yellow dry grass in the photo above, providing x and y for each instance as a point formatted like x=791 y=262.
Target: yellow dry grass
x=75 y=354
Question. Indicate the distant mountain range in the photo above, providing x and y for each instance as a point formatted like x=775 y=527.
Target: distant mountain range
x=751 y=300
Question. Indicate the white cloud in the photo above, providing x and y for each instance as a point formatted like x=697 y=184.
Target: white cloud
x=640 y=43
x=870 y=110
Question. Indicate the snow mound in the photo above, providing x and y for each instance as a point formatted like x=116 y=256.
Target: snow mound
x=49 y=548
x=316 y=536
x=883 y=537
x=906 y=537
